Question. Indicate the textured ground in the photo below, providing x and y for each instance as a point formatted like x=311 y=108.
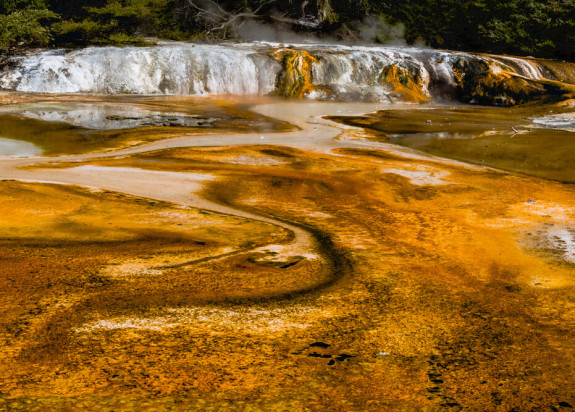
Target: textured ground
x=354 y=276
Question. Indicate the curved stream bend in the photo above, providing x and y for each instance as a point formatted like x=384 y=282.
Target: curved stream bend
x=182 y=188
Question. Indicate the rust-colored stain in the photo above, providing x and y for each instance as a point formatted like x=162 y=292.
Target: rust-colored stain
x=432 y=285
x=296 y=78
x=407 y=86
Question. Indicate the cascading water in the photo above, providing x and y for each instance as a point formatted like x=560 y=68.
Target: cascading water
x=312 y=71
x=177 y=69
x=523 y=67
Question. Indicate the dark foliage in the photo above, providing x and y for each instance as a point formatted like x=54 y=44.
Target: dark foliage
x=544 y=28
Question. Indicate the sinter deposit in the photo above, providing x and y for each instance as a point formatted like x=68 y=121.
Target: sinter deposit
x=326 y=72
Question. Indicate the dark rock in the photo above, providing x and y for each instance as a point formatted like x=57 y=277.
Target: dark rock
x=319 y=345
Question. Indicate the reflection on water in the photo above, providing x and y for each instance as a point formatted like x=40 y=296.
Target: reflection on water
x=95 y=123
x=535 y=140
x=18 y=148
x=107 y=116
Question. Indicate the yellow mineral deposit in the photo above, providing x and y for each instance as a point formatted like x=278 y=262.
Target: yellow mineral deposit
x=305 y=273
x=407 y=86
x=296 y=80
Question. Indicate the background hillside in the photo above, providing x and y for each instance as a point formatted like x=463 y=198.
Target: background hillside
x=523 y=27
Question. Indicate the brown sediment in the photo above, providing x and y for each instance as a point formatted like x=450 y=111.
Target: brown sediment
x=491 y=84
x=444 y=303
x=559 y=70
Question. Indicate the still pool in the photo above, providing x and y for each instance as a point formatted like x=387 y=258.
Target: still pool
x=536 y=140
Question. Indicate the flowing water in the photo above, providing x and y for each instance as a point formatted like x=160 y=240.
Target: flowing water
x=543 y=146
x=245 y=69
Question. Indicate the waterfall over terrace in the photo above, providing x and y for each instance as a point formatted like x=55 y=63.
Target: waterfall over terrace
x=311 y=71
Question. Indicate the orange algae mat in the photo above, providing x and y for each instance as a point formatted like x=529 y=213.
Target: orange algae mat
x=430 y=285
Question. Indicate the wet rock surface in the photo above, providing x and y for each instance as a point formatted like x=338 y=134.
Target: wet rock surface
x=314 y=71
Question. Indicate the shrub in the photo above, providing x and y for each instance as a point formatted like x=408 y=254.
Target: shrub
x=76 y=33
x=26 y=27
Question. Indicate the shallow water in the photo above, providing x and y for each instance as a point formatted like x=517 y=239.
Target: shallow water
x=534 y=140
x=105 y=116
x=83 y=124
x=18 y=148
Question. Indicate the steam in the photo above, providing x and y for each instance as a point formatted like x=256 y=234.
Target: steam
x=371 y=30
x=253 y=25
x=251 y=30
x=376 y=29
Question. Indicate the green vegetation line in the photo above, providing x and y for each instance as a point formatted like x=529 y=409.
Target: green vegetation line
x=542 y=28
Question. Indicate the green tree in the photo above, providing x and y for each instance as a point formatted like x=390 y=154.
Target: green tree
x=115 y=21
x=26 y=27
x=10 y=6
x=544 y=28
